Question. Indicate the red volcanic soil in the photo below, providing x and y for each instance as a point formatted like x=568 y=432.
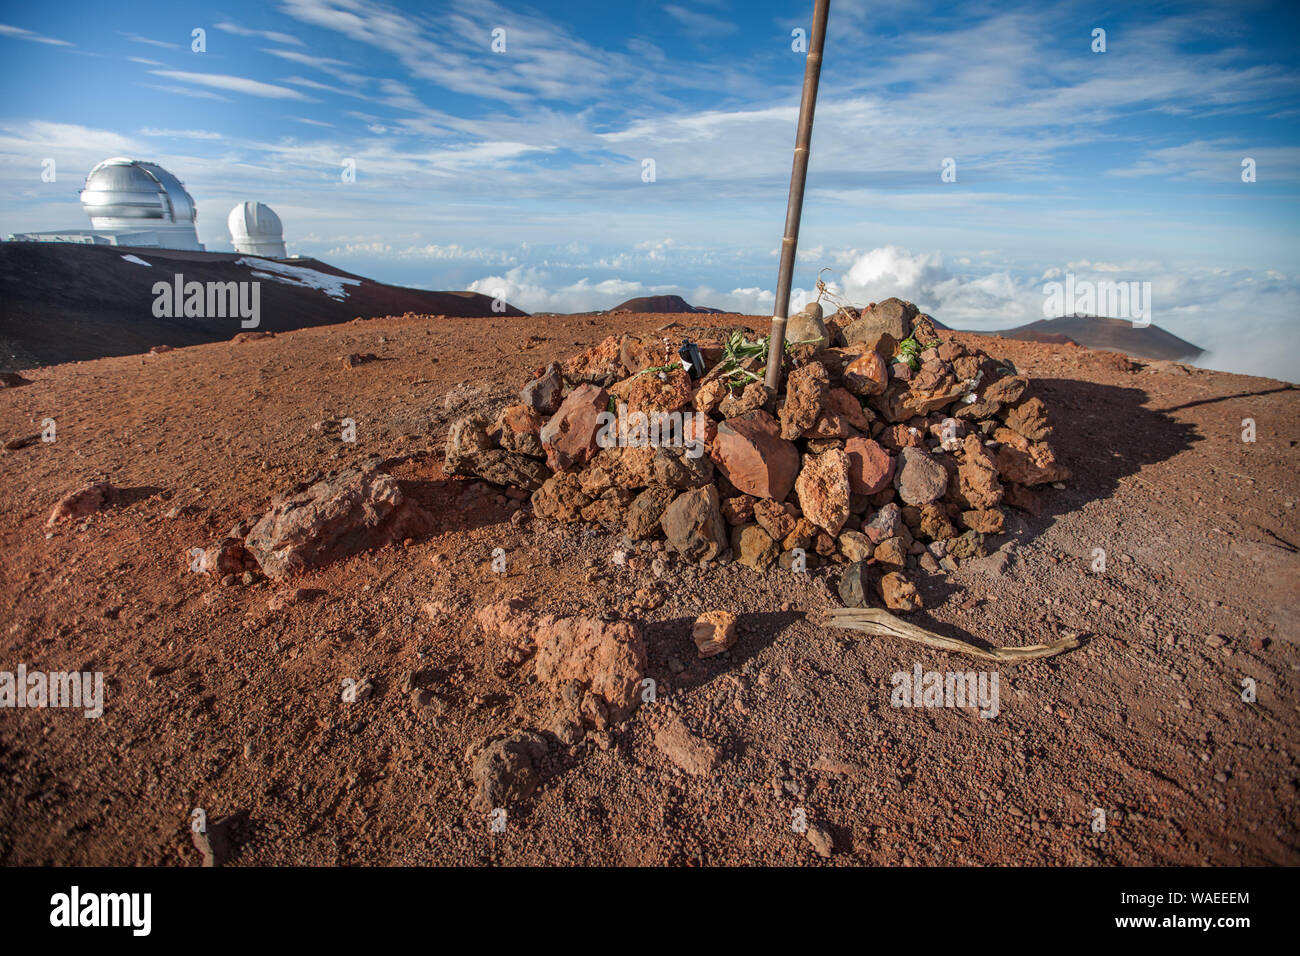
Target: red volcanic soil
x=218 y=699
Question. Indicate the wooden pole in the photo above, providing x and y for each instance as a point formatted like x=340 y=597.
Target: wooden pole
x=794 y=208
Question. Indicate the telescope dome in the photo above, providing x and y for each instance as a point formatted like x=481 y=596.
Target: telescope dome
x=257 y=230
x=120 y=192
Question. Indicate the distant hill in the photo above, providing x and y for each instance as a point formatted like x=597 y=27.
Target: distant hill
x=63 y=302
x=661 y=304
x=1116 y=335
x=1034 y=335
x=1096 y=332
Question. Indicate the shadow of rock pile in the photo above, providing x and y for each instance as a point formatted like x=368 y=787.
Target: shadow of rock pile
x=890 y=448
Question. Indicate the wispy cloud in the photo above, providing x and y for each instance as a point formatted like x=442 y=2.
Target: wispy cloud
x=181 y=133
x=700 y=23
x=271 y=35
x=186 y=91
x=136 y=38
x=1217 y=161
x=234 y=84
x=335 y=68
x=21 y=34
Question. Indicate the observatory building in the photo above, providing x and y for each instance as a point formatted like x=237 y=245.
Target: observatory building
x=256 y=230
x=131 y=203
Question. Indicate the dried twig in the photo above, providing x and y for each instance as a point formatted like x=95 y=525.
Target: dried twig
x=880 y=623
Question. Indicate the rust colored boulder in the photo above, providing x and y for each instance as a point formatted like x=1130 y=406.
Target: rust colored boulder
x=517 y=429
x=714 y=632
x=602 y=364
x=647 y=392
x=871 y=468
x=898 y=593
x=1035 y=465
x=607 y=658
x=823 y=490
x=560 y=498
x=360 y=508
x=569 y=438
x=806 y=395
x=751 y=453
x=867 y=374
x=81 y=503
x=977 y=475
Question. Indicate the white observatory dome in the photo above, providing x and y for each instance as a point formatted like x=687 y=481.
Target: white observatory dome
x=129 y=196
x=256 y=229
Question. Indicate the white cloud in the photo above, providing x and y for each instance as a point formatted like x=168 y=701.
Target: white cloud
x=186 y=91
x=21 y=34
x=181 y=133
x=135 y=38
x=234 y=84
x=428 y=251
x=1245 y=322
x=335 y=68
x=698 y=22
x=1217 y=161
x=264 y=34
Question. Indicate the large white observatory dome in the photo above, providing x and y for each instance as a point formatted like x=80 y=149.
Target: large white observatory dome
x=256 y=229
x=129 y=196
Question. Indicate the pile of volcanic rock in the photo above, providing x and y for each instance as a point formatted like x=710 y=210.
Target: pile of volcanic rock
x=892 y=448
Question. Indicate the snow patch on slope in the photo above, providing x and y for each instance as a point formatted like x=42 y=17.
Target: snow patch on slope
x=333 y=286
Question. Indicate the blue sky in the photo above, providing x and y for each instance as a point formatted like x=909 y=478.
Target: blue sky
x=522 y=170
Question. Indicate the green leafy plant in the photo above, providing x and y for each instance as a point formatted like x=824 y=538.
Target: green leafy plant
x=737 y=351
x=909 y=350
x=656 y=369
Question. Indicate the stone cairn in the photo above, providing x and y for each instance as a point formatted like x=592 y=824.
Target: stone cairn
x=892 y=447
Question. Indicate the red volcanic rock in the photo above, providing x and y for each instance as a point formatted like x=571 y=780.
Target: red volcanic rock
x=85 y=501
x=871 y=468
x=749 y=450
x=977 y=476
x=358 y=509
x=842 y=403
x=823 y=489
x=806 y=395
x=569 y=438
x=647 y=392
x=866 y=375
x=517 y=428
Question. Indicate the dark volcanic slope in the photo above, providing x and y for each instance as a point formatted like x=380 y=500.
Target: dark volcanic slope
x=61 y=302
x=1116 y=335
x=1047 y=338
x=670 y=304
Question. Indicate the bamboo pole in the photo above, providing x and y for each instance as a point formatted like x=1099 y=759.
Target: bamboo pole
x=794 y=207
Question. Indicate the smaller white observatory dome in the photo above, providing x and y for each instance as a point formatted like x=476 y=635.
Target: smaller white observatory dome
x=256 y=229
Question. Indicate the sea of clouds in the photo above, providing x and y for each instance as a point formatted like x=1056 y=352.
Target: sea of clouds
x=1246 y=321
